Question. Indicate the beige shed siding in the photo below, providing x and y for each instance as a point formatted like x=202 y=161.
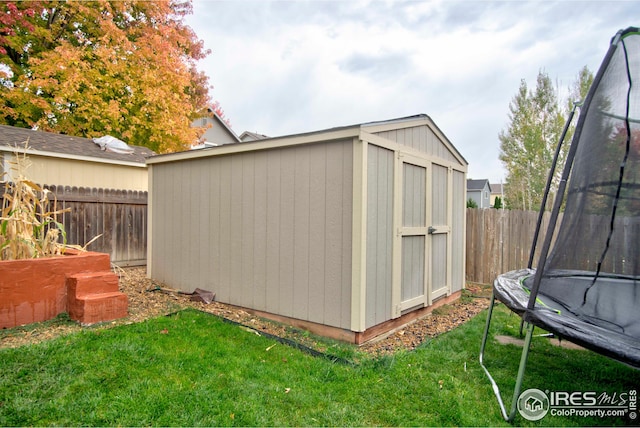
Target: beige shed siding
x=268 y=230
x=439 y=242
x=440 y=191
x=69 y=172
x=414 y=196
x=414 y=204
x=446 y=172
x=458 y=231
x=413 y=268
x=380 y=175
x=421 y=138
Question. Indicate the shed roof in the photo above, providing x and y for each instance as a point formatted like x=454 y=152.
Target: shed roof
x=310 y=137
x=477 y=184
x=64 y=146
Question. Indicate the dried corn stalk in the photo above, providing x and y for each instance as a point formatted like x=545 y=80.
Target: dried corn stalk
x=28 y=221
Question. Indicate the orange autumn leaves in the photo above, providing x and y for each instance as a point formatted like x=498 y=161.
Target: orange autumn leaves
x=92 y=68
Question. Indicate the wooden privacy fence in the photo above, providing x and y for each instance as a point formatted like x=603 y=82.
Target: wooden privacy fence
x=499 y=241
x=120 y=216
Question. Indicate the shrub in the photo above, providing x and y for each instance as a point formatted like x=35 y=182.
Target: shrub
x=498 y=203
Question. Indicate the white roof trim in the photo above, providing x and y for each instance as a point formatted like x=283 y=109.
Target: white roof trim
x=270 y=143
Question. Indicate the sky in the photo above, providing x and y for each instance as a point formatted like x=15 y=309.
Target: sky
x=287 y=67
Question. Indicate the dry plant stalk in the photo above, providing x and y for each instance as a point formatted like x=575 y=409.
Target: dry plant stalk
x=29 y=226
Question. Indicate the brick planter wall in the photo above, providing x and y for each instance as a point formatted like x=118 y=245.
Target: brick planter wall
x=36 y=290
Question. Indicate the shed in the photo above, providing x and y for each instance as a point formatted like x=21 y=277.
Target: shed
x=66 y=160
x=348 y=232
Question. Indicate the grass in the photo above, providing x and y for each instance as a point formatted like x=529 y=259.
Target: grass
x=192 y=369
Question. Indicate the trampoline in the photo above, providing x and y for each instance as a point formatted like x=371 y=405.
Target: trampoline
x=586 y=285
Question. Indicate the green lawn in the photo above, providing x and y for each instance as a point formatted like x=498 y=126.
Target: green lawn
x=192 y=369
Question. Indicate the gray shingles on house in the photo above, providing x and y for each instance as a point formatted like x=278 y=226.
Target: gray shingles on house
x=14 y=137
x=64 y=160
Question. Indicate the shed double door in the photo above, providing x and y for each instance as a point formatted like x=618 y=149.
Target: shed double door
x=422 y=259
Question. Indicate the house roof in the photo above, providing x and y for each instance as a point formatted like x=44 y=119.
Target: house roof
x=214 y=124
x=477 y=184
x=314 y=136
x=496 y=188
x=251 y=136
x=64 y=146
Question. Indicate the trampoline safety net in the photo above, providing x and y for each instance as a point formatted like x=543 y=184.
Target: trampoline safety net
x=586 y=287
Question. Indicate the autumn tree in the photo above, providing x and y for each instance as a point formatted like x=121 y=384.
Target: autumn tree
x=91 y=68
x=527 y=146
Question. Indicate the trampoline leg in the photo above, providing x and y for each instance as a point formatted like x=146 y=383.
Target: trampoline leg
x=521 y=370
x=494 y=385
x=523 y=363
x=486 y=327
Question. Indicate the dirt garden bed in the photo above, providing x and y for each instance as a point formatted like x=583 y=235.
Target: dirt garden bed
x=146 y=300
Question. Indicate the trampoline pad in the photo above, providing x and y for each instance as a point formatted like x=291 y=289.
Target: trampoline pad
x=600 y=317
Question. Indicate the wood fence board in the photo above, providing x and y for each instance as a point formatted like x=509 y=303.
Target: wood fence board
x=119 y=216
x=499 y=241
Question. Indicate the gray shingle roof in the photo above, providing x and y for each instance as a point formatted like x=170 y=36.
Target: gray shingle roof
x=11 y=136
x=496 y=188
x=477 y=184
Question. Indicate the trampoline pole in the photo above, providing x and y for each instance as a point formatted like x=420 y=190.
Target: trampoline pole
x=521 y=370
x=486 y=327
x=494 y=385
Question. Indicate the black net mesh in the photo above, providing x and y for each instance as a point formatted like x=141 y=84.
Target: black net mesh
x=593 y=268
x=587 y=287
x=601 y=221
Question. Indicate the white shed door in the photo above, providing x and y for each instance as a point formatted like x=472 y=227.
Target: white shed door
x=413 y=233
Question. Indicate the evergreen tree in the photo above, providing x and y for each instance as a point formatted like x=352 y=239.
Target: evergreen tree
x=498 y=203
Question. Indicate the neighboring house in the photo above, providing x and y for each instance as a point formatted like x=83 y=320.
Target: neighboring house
x=496 y=191
x=218 y=133
x=251 y=136
x=480 y=192
x=349 y=232
x=58 y=159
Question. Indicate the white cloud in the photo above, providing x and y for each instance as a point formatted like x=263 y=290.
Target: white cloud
x=283 y=67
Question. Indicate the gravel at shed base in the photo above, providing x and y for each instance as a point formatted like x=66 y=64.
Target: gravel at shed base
x=146 y=300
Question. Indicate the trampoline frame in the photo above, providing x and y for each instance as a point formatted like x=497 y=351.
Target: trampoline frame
x=524 y=312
